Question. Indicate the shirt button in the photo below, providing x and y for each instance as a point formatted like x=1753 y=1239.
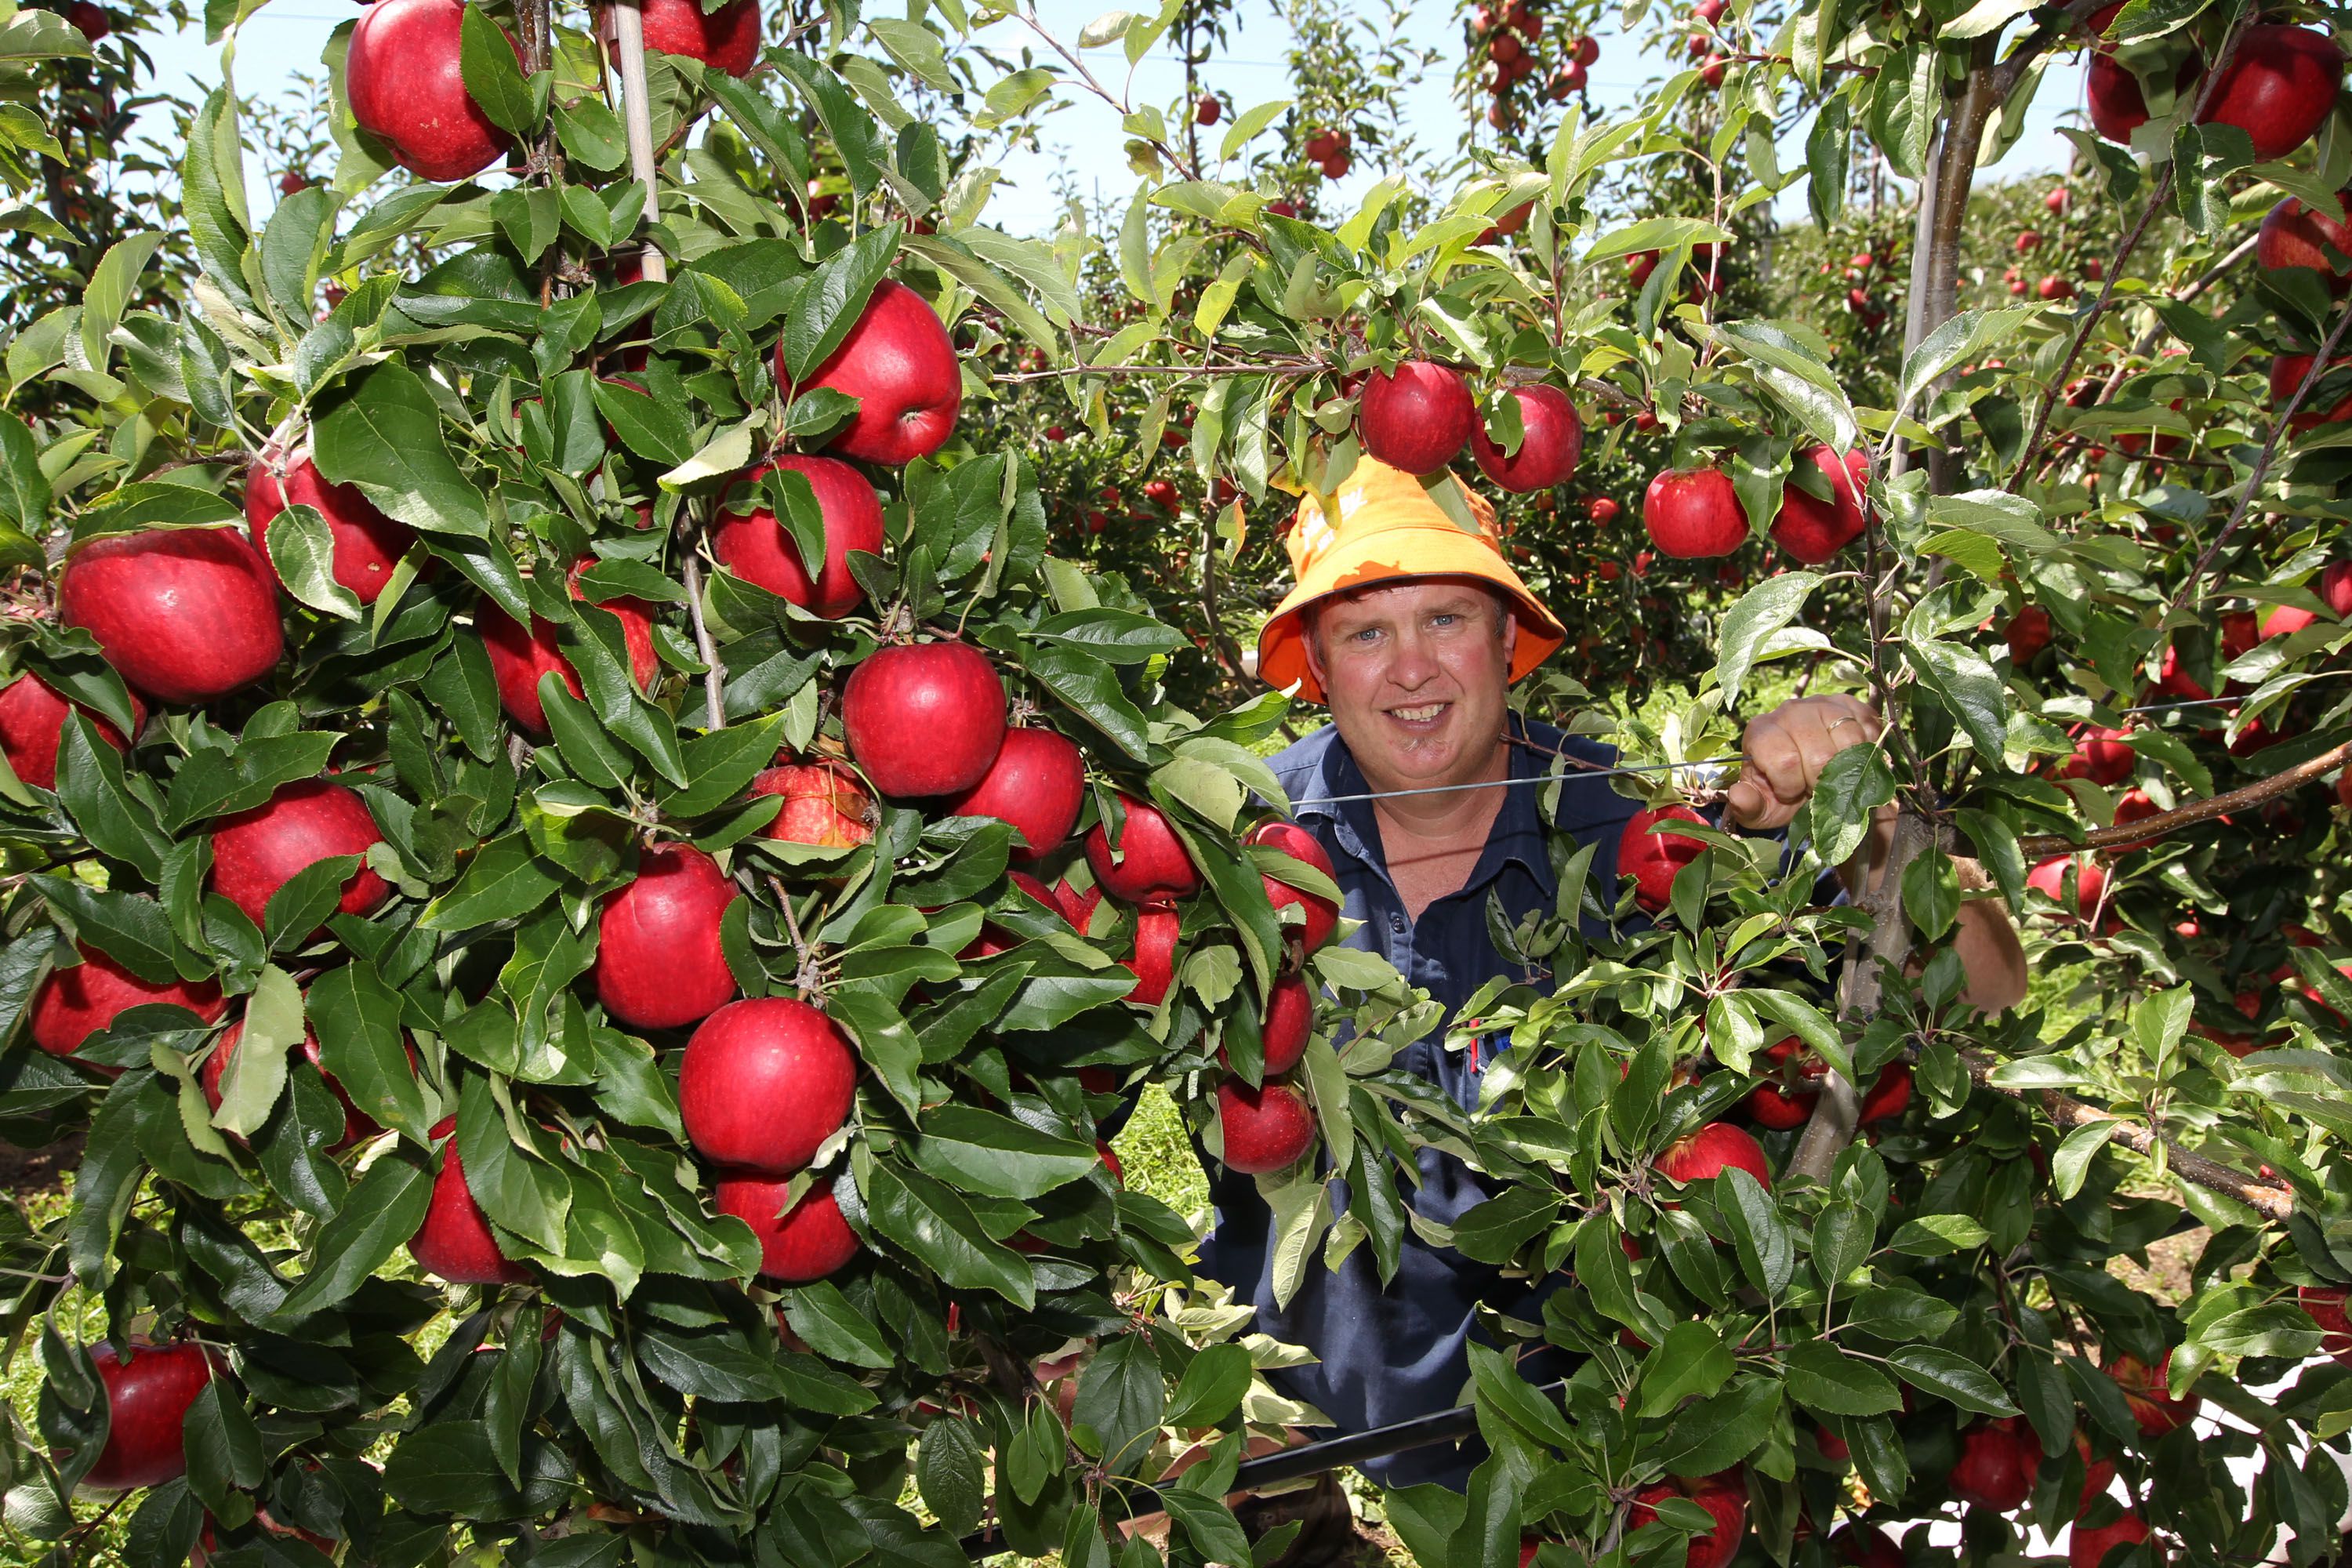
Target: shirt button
x=1396 y=924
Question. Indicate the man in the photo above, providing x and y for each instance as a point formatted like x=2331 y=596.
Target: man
x=1411 y=626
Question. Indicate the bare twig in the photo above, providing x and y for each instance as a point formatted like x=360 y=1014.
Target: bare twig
x=714 y=679
x=636 y=112
x=2286 y=782
x=2271 y=1202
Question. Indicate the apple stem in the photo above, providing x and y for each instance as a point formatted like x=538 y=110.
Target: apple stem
x=636 y=114
x=803 y=967
x=2042 y=846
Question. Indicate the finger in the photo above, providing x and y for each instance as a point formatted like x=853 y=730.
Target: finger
x=1776 y=757
x=1745 y=803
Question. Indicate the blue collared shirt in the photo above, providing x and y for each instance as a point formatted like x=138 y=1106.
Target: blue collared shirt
x=1388 y=1355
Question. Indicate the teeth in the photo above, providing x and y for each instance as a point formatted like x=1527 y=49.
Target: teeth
x=1417 y=714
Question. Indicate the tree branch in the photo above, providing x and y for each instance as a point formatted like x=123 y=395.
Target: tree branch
x=2271 y=1202
x=2042 y=845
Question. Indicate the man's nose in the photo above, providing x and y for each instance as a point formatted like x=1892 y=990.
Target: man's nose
x=1415 y=661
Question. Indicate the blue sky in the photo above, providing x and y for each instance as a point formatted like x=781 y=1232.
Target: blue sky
x=286 y=38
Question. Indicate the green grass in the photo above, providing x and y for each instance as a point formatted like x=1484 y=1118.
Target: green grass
x=1155 y=1157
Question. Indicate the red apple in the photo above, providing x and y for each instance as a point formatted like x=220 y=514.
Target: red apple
x=806 y=1242
x=2278 y=86
x=2101 y=755
x=659 y=961
x=1813 y=530
x=727 y=39
x=1207 y=110
x=1416 y=416
x=2090 y=882
x=1653 y=859
x=1888 y=1097
x=518 y=661
x=1553 y=440
x=2334 y=589
x=147 y=1399
x=1154 y=963
x=88 y=20
x=368 y=543
x=1037 y=782
x=1322 y=914
x=763 y=1083
x=1265 y=1128
x=2028 y=633
x=1602 y=510
x=761 y=549
x=2324 y=1305
x=2146 y=1392
x=186 y=614
x=1693 y=513
x=898 y=362
x=32 y=726
x=1587 y=50
x=2287 y=372
x=2293 y=235
x=402 y=77
x=1337 y=165
x=1996 y=1465
x=2089 y=1548
x=1717 y=1147
x=1786 y=1097
x=823 y=805
x=2117 y=105
x=74 y=1003
x=924 y=718
x=2058 y=200
x=1723 y=1495
x=1863 y=1545
x=1150 y=865
x=1289 y=1024
x=454 y=1242
x=257 y=852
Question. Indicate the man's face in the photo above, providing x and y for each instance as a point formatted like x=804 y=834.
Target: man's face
x=1414 y=673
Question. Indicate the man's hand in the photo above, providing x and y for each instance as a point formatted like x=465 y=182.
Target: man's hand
x=1786 y=750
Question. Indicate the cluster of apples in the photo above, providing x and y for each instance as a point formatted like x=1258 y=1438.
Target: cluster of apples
x=1330 y=149
x=1694 y=513
x=1417 y=417
x=1509 y=34
x=2280 y=83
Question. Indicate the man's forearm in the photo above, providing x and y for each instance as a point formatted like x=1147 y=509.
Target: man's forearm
x=1990 y=954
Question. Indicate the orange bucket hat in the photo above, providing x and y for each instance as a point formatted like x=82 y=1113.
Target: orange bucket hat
x=1380 y=524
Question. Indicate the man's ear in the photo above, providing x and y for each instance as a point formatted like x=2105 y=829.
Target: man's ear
x=1510 y=634
x=1311 y=637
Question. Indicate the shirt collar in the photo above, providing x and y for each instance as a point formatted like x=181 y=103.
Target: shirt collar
x=1334 y=780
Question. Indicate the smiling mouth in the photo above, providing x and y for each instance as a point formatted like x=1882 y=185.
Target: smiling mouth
x=1421 y=715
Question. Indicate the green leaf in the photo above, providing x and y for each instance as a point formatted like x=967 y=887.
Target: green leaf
x=1823 y=1380
x=493 y=70
x=951 y=1471
x=1762 y=612
x=721 y=765
x=834 y=1328
x=357 y=1019
x=23 y=490
x=302 y=551
x=835 y=297
x=934 y=1223
x=223 y=1445
x=1717 y=1434
x=505 y=881
x=383 y=1209
x=132 y=931
x=1950 y=1375
x=113 y=284
x=1937 y=1233
x=984 y=1152
x=255 y=1074
x=1211 y=1390
x=1691 y=1361
x=1768 y=1252
x=1967 y=689
x=384 y=434
x=1122 y=1397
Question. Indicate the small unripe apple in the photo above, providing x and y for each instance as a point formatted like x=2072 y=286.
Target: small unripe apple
x=757 y=547
x=763 y=1083
x=257 y=852
x=1038 y=783
x=924 y=718
x=898 y=362
x=804 y=1243
x=147 y=1400
x=1694 y=513
x=1150 y=865
x=1416 y=416
x=660 y=963
x=455 y=1243
x=1263 y=1130
x=186 y=614
x=32 y=728
x=405 y=86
